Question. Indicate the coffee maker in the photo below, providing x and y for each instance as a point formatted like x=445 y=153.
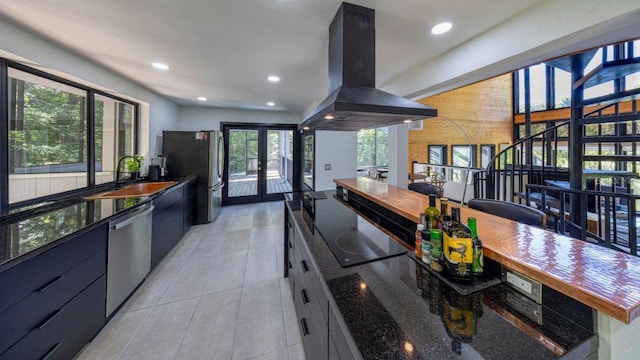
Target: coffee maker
x=158 y=169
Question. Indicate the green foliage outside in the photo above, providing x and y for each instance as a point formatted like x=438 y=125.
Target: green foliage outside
x=373 y=147
x=53 y=129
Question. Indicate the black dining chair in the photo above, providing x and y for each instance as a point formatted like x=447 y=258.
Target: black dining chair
x=509 y=210
x=426 y=189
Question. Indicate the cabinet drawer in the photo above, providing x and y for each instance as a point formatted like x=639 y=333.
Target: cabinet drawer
x=67 y=329
x=339 y=338
x=170 y=196
x=33 y=310
x=315 y=338
x=33 y=274
x=310 y=278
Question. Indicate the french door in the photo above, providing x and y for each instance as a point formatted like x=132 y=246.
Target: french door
x=259 y=162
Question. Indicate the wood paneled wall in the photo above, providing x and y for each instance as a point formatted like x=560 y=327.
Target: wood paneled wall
x=484 y=110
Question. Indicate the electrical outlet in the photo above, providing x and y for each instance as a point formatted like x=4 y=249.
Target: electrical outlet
x=327 y=166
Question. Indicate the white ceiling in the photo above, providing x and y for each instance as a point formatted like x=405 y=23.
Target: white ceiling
x=225 y=49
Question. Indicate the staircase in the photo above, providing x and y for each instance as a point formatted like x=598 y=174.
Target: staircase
x=595 y=199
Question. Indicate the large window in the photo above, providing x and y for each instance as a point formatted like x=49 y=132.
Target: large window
x=373 y=147
x=49 y=130
x=47 y=137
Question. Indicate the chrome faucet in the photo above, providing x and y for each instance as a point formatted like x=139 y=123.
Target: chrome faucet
x=120 y=164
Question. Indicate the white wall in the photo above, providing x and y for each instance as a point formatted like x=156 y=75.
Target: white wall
x=398 y=155
x=157 y=112
x=209 y=118
x=339 y=149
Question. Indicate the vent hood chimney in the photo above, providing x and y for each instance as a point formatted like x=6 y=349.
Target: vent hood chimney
x=353 y=102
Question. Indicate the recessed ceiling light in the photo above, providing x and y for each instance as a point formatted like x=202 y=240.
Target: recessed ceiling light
x=271 y=103
x=441 y=28
x=160 y=66
x=406 y=121
x=202 y=98
x=328 y=117
x=273 y=78
x=305 y=128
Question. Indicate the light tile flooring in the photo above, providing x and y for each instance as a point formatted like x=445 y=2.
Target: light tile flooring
x=219 y=294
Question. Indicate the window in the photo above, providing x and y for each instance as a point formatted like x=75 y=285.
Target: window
x=462 y=156
x=373 y=147
x=562 y=88
x=538 y=82
x=438 y=154
x=309 y=159
x=114 y=135
x=487 y=152
x=49 y=135
x=520 y=94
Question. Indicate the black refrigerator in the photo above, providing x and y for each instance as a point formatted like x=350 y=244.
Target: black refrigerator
x=201 y=154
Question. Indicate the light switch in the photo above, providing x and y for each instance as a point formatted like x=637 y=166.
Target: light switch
x=327 y=166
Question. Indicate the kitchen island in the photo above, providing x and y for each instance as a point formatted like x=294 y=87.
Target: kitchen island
x=603 y=279
x=395 y=308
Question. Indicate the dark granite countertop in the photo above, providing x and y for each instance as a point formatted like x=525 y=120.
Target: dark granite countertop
x=52 y=223
x=397 y=309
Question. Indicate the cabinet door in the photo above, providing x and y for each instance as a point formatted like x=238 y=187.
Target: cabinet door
x=166 y=231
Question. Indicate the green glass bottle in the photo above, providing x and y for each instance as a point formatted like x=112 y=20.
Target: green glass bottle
x=477 y=267
x=433 y=213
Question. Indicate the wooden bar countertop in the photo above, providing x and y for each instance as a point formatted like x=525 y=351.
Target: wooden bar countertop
x=602 y=278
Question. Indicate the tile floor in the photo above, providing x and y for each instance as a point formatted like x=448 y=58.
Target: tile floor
x=219 y=294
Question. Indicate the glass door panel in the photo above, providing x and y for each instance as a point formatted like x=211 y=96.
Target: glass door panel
x=243 y=163
x=279 y=161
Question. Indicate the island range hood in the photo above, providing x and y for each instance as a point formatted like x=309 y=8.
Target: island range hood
x=353 y=102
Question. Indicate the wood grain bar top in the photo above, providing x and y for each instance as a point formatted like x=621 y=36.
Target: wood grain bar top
x=602 y=278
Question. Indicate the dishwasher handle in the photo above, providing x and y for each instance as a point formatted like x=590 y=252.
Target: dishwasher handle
x=135 y=215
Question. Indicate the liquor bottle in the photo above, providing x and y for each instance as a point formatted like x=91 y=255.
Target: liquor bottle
x=477 y=267
x=444 y=205
x=433 y=214
x=418 y=246
x=435 y=259
x=457 y=247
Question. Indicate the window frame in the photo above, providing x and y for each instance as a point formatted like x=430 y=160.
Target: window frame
x=375 y=148
x=5 y=64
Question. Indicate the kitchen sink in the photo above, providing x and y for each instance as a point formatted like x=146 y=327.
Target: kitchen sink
x=134 y=190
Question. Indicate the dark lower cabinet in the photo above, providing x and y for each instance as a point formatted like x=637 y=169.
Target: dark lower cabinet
x=168 y=223
x=65 y=305
x=322 y=335
x=65 y=331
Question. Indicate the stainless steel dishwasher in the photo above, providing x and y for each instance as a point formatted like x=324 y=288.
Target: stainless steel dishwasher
x=129 y=254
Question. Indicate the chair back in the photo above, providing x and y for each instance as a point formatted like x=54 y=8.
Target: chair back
x=425 y=188
x=509 y=210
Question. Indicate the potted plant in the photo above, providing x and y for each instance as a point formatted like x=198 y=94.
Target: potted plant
x=133 y=165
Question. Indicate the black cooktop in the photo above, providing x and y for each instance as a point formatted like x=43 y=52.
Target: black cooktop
x=353 y=239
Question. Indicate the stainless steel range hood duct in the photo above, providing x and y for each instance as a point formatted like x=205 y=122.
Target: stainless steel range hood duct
x=353 y=102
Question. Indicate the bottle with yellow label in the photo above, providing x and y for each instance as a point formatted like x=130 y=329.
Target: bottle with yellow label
x=457 y=247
